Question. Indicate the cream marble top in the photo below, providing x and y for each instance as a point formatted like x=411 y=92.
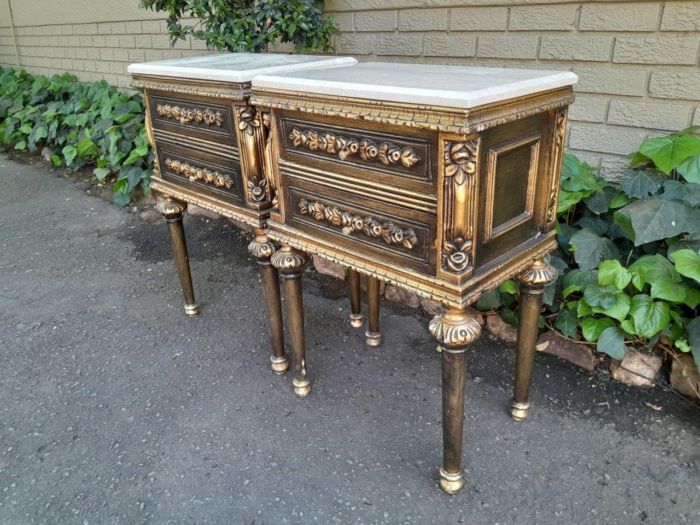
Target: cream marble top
x=448 y=86
x=236 y=67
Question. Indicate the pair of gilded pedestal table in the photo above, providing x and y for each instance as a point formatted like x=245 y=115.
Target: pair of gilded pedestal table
x=439 y=179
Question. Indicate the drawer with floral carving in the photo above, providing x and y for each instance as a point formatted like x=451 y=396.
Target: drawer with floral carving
x=215 y=173
x=190 y=116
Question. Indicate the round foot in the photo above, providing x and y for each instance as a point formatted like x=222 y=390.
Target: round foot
x=451 y=483
x=279 y=365
x=519 y=411
x=373 y=338
x=192 y=309
x=356 y=320
x=302 y=386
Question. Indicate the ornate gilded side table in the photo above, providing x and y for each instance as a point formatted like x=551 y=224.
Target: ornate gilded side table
x=210 y=151
x=439 y=179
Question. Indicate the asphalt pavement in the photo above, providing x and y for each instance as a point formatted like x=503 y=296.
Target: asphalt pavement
x=117 y=408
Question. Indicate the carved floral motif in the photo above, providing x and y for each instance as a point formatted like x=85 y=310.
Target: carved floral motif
x=559 y=132
x=195 y=173
x=185 y=115
x=460 y=163
x=344 y=147
x=248 y=119
x=371 y=227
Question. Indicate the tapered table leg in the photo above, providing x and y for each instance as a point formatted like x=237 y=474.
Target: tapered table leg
x=532 y=284
x=373 y=336
x=356 y=319
x=290 y=262
x=172 y=210
x=262 y=249
x=454 y=330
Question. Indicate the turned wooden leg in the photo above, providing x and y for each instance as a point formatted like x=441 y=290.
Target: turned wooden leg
x=373 y=335
x=262 y=248
x=532 y=284
x=454 y=330
x=172 y=210
x=290 y=262
x=356 y=320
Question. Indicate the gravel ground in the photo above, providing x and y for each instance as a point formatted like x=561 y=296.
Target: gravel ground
x=117 y=408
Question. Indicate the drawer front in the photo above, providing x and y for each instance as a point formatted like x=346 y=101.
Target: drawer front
x=373 y=228
x=394 y=157
x=208 y=173
x=191 y=116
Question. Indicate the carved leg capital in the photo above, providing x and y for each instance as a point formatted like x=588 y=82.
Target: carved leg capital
x=455 y=329
x=169 y=207
x=262 y=247
x=538 y=275
x=288 y=261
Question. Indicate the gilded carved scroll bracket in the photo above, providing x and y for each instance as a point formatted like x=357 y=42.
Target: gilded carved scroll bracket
x=252 y=134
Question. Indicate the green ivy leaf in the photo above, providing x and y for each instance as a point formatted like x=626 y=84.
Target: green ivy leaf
x=576 y=280
x=693 y=330
x=687 y=263
x=612 y=342
x=592 y=327
x=652 y=268
x=611 y=272
x=650 y=317
x=509 y=286
x=690 y=169
x=641 y=184
x=567 y=323
x=101 y=173
x=656 y=219
x=56 y=159
x=590 y=249
x=69 y=153
x=86 y=148
x=600 y=296
x=670 y=151
x=617 y=311
x=681 y=191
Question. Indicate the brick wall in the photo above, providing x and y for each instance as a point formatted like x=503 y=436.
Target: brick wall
x=637 y=61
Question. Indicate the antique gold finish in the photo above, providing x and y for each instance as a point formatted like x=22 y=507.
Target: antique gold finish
x=290 y=263
x=532 y=284
x=262 y=248
x=557 y=154
x=252 y=138
x=356 y=318
x=185 y=115
x=388 y=231
x=373 y=337
x=459 y=194
x=197 y=173
x=454 y=330
x=344 y=147
x=172 y=210
x=184 y=86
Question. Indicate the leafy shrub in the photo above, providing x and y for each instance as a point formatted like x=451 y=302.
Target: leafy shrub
x=629 y=255
x=250 y=25
x=93 y=124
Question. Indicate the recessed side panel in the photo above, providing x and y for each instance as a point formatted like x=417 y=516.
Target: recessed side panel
x=513 y=175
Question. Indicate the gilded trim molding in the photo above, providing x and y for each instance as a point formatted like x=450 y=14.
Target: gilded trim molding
x=557 y=153
x=196 y=173
x=344 y=147
x=371 y=227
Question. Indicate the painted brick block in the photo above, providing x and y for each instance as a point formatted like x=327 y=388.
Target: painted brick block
x=654 y=115
x=591 y=137
x=355 y=43
x=584 y=48
x=639 y=16
x=507 y=46
x=375 y=21
x=449 y=45
x=681 y=16
x=613 y=81
x=399 y=44
x=423 y=20
x=479 y=19
x=682 y=85
x=589 y=109
x=656 y=50
x=344 y=21
x=545 y=18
